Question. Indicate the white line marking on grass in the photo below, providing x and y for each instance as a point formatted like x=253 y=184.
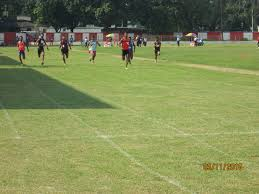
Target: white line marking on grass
x=9 y=119
x=224 y=133
x=117 y=147
x=183 y=135
x=179 y=131
x=32 y=138
x=147 y=169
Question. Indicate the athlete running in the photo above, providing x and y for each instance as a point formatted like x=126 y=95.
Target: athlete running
x=27 y=41
x=64 y=44
x=92 y=49
x=157 y=47
x=21 y=49
x=41 y=44
x=124 y=43
x=132 y=48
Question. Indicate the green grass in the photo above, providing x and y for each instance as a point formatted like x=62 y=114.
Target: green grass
x=244 y=56
x=103 y=129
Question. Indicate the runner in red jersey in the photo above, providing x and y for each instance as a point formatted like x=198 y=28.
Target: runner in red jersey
x=124 y=43
x=21 y=49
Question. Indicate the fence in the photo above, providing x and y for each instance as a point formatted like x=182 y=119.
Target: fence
x=9 y=38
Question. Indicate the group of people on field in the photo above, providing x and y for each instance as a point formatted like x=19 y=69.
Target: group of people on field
x=141 y=41
x=41 y=52
x=127 y=45
x=128 y=48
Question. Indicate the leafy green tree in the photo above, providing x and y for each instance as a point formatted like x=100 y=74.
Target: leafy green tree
x=75 y=9
x=51 y=12
x=238 y=15
x=112 y=12
x=156 y=16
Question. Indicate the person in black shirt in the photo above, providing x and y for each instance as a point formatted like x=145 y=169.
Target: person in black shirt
x=41 y=44
x=27 y=41
x=157 y=47
x=64 y=44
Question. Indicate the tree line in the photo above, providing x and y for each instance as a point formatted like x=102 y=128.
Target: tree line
x=155 y=15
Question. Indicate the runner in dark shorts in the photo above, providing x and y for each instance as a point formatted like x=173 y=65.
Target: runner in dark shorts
x=124 y=54
x=132 y=48
x=124 y=42
x=64 y=44
x=41 y=44
x=27 y=42
x=157 y=47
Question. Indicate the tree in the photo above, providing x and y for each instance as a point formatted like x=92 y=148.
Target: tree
x=51 y=12
x=155 y=15
x=112 y=12
x=75 y=9
x=238 y=15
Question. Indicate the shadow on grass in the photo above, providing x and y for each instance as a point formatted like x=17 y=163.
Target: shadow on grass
x=25 y=88
x=4 y=60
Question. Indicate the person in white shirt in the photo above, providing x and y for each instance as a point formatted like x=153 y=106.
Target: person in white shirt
x=195 y=41
x=178 y=41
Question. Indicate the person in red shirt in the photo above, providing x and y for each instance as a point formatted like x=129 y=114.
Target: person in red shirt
x=124 y=43
x=21 y=48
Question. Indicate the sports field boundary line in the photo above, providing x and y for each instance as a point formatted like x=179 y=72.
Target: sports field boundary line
x=115 y=146
x=32 y=138
x=10 y=120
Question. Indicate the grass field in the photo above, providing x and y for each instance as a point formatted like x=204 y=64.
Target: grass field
x=98 y=128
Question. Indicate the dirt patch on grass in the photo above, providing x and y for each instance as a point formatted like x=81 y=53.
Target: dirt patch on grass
x=206 y=67
x=199 y=66
x=221 y=69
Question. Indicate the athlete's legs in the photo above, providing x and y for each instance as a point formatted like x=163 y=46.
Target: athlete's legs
x=39 y=52
x=131 y=55
x=93 y=56
x=63 y=57
x=156 y=54
x=127 y=60
x=20 y=57
x=23 y=55
x=43 y=56
x=27 y=46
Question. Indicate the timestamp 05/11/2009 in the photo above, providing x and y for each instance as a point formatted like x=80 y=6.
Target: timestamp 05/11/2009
x=223 y=166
